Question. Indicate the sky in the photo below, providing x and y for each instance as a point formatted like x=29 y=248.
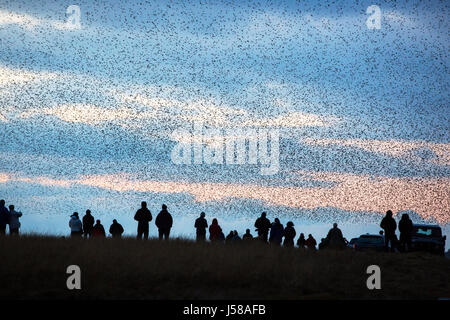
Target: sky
x=90 y=114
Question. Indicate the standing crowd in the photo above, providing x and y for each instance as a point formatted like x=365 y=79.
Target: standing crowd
x=273 y=232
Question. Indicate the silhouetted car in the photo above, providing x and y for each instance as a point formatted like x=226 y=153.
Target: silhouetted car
x=367 y=242
x=352 y=242
x=427 y=237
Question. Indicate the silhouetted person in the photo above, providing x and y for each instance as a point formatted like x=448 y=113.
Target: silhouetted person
x=262 y=225
x=116 y=229
x=200 y=226
x=311 y=242
x=4 y=217
x=389 y=225
x=164 y=223
x=247 y=235
x=405 y=226
x=229 y=237
x=301 y=242
x=215 y=231
x=335 y=239
x=276 y=232
x=88 y=223
x=289 y=234
x=98 y=231
x=14 y=223
x=143 y=216
x=236 y=238
x=76 y=227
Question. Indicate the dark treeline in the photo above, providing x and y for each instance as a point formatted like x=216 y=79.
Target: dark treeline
x=273 y=233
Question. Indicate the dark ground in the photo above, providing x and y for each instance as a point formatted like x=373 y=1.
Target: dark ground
x=34 y=267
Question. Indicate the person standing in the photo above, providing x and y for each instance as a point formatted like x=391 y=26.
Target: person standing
x=262 y=225
x=276 y=232
x=289 y=234
x=76 y=227
x=200 y=225
x=215 y=231
x=301 y=242
x=116 y=229
x=405 y=226
x=4 y=217
x=389 y=225
x=98 y=231
x=88 y=224
x=164 y=223
x=143 y=216
x=335 y=238
x=14 y=223
x=247 y=236
x=311 y=242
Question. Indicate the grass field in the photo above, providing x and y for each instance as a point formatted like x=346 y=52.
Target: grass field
x=34 y=267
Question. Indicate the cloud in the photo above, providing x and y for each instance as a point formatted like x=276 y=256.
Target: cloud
x=24 y=20
x=135 y=107
x=4 y=177
x=293 y=119
x=30 y=23
x=393 y=148
x=88 y=114
x=429 y=197
x=18 y=76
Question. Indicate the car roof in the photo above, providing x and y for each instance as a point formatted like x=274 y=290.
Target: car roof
x=427 y=225
x=370 y=236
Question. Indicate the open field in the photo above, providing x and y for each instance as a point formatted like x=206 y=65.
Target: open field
x=34 y=267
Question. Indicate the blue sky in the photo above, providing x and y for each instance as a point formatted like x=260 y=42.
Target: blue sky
x=103 y=100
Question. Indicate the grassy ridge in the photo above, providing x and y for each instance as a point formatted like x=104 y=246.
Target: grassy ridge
x=34 y=267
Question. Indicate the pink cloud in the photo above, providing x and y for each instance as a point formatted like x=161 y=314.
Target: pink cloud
x=429 y=197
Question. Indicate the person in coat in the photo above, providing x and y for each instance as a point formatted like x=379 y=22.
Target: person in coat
x=14 y=223
x=276 y=232
x=229 y=237
x=215 y=231
x=116 y=229
x=164 y=223
x=389 y=225
x=301 y=242
x=88 y=223
x=143 y=216
x=200 y=225
x=289 y=234
x=311 y=243
x=334 y=238
x=4 y=217
x=405 y=226
x=76 y=227
x=262 y=225
x=247 y=236
x=98 y=231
